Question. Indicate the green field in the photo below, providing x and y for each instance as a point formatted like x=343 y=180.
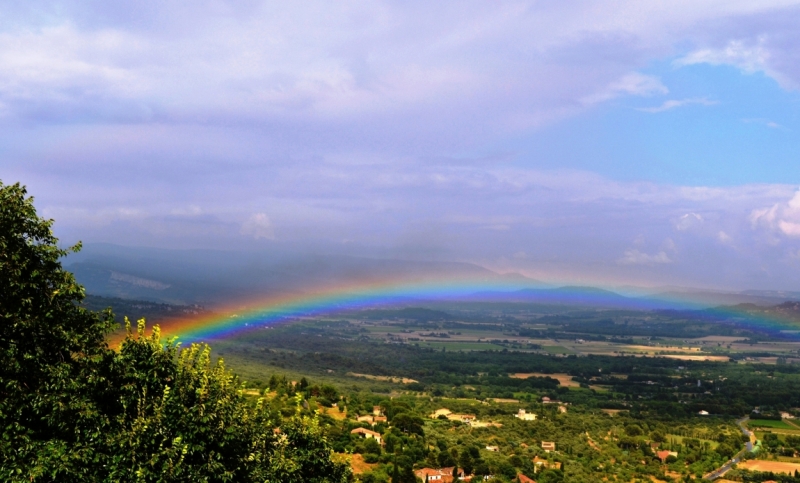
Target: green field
x=461 y=346
x=768 y=423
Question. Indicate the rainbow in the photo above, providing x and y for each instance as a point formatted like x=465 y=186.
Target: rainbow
x=267 y=311
x=271 y=310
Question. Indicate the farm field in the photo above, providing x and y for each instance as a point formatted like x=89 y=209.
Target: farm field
x=773 y=466
x=768 y=423
x=460 y=346
x=404 y=380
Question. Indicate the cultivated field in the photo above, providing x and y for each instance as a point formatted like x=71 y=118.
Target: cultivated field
x=773 y=466
x=404 y=380
x=769 y=423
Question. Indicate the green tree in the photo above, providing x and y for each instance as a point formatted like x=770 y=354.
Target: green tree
x=466 y=462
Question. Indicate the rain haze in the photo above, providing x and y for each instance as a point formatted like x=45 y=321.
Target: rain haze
x=609 y=143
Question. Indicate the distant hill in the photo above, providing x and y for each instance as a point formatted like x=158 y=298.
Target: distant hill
x=210 y=277
x=135 y=309
x=572 y=295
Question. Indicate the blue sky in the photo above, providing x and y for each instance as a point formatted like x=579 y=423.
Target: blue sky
x=651 y=143
x=716 y=126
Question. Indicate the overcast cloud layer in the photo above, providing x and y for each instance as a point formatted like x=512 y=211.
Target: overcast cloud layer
x=419 y=130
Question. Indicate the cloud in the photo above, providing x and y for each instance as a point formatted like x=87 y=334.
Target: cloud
x=748 y=56
x=781 y=218
x=765 y=122
x=688 y=221
x=762 y=53
x=258 y=226
x=635 y=257
x=632 y=84
x=724 y=238
x=673 y=103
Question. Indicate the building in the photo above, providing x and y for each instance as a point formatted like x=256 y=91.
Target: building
x=541 y=463
x=441 y=475
x=524 y=479
x=664 y=454
x=432 y=474
x=525 y=416
x=376 y=411
x=548 y=446
x=366 y=433
x=372 y=420
x=493 y=448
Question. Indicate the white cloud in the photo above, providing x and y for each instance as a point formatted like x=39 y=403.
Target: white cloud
x=765 y=122
x=674 y=103
x=748 y=55
x=687 y=221
x=636 y=257
x=632 y=84
x=258 y=226
x=724 y=238
x=781 y=218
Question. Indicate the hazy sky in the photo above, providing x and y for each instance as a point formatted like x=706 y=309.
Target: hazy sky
x=651 y=142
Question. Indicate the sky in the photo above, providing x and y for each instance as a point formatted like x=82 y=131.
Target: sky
x=647 y=143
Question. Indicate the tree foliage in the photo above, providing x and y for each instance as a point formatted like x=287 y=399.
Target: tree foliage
x=72 y=409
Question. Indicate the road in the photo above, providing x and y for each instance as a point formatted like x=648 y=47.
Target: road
x=748 y=446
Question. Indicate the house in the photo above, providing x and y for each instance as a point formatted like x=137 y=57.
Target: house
x=703 y=413
x=366 y=433
x=365 y=419
x=493 y=448
x=525 y=416
x=379 y=419
x=524 y=479
x=562 y=409
x=541 y=463
x=376 y=411
x=546 y=400
x=441 y=475
x=664 y=454
x=431 y=474
x=548 y=446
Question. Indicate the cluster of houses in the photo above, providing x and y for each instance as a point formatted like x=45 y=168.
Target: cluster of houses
x=454 y=474
x=374 y=418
